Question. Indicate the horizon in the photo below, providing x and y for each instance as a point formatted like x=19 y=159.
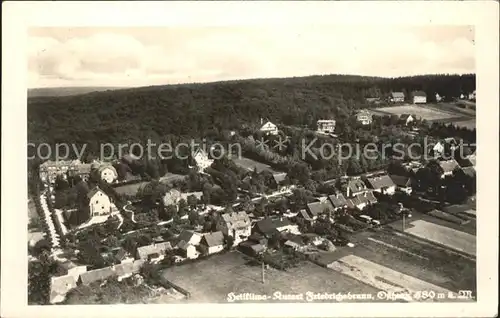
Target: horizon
x=249 y=79
x=150 y=56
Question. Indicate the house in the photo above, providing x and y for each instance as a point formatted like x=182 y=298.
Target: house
x=382 y=184
x=99 y=202
x=364 y=117
x=107 y=173
x=362 y=200
x=213 y=241
x=326 y=126
x=269 y=128
x=419 y=97
x=397 y=97
x=121 y=256
x=188 y=250
x=313 y=238
x=202 y=160
x=49 y=170
x=189 y=237
x=355 y=186
x=174 y=196
x=60 y=286
x=472 y=96
x=251 y=248
x=95 y=275
x=81 y=170
x=294 y=243
x=406 y=119
x=403 y=183
x=448 y=167
x=444 y=146
x=472 y=159
x=316 y=209
x=438 y=98
x=470 y=171
x=258 y=238
x=373 y=100
x=235 y=224
x=338 y=201
x=71 y=269
x=268 y=226
x=153 y=252
x=126 y=270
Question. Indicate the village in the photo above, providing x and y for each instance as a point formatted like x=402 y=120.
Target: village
x=102 y=221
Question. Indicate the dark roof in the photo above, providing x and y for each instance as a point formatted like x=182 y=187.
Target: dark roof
x=380 y=182
x=213 y=239
x=449 y=165
x=401 y=181
x=419 y=93
x=269 y=225
x=93 y=191
x=338 y=200
x=96 y=275
x=366 y=198
x=356 y=185
x=317 y=208
x=470 y=171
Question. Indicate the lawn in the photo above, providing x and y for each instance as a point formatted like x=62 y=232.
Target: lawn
x=212 y=279
x=250 y=164
x=469 y=124
x=420 y=111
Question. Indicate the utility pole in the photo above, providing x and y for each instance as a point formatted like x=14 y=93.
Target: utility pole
x=263 y=278
x=403 y=222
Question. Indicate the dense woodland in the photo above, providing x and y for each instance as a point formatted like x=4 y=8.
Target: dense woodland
x=192 y=110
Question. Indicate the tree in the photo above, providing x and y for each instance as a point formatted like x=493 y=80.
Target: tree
x=192 y=201
x=193 y=218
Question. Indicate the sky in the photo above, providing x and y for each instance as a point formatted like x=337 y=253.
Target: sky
x=130 y=57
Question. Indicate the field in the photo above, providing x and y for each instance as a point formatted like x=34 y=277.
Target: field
x=250 y=164
x=469 y=124
x=454 y=239
x=420 y=111
x=211 y=280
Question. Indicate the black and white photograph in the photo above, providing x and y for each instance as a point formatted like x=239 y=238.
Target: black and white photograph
x=283 y=162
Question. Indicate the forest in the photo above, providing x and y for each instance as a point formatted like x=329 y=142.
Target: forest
x=195 y=110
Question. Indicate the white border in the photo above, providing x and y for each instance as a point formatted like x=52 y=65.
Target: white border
x=17 y=16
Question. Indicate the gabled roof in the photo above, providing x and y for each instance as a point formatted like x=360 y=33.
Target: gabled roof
x=213 y=239
x=449 y=165
x=380 y=182
x=317 y=208
x=397 y=94
x=363 y=198
x=356 y=185
x=269 y=225
x=338 y=200
x=470 y=171
x=159 y=248
x=189 y=237
x=305 y=215
x=96 y=275
x=401 y=181
x=93 y=192
x=472 y=159
x=419 y=93
x=326 y=121
x=268 y=125
x=279 y=177
x=107 y=166
x=236 y=219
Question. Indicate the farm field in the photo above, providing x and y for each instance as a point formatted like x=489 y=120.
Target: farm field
x=250 y=164
x=420 y=111
x=212 y=279
x=454 y=239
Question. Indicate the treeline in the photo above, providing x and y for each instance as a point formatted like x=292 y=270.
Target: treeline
x=194 y=110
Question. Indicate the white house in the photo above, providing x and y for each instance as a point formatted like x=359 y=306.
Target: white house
x=236 y=224
x=189 y=237
x=99 y=202
x=201 y=158
x=326 y=126
x=108 y=173
x=188 y=250
x=438 y=97
x=448 y=167
x=364 y=117
x=214 y=242
x=419 y=97
x=397 y=97
x=472 y=96
x=407 y=119
x=382 y=184
x=269 y=128
x=403 y=183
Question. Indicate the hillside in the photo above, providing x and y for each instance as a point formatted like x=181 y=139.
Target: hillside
x=196 y=109
x=65 y=91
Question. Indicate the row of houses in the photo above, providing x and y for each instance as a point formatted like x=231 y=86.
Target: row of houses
x=50 y=170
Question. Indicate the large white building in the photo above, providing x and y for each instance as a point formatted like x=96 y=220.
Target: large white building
x=419 y=97
x=326 y=126
x=99 y=202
